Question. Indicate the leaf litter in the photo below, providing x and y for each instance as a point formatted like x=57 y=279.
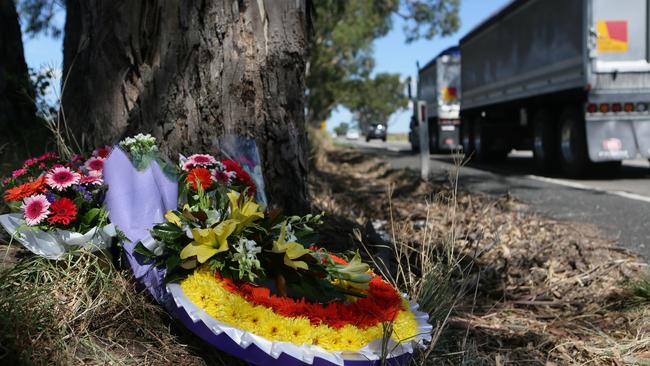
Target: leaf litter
x=543 y=291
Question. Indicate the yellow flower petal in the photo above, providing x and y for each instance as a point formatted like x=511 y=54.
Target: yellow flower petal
x=248 y=212
x=295 y=264
x=173 y=218
x=295 y=250
x=222 y=232
x=208 y=242
x=204 y=236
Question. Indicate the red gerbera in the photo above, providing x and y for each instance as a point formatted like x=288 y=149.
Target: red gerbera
x=241 y=175
x=202 y=175
x=63 y=210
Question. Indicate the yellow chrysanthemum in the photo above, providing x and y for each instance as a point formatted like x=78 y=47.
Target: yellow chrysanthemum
x=350 y=338
x=299 y=329
x=204 y=290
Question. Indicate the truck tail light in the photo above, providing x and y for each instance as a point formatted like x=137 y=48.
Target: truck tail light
x=641 y=107
x=628 y=107
x=616 y=107
x=603 y=107
x=592 y=108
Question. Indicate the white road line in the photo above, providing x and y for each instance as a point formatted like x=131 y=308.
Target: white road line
x=560 y=182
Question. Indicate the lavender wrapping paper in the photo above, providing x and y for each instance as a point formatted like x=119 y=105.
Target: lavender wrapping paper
x=136 y=201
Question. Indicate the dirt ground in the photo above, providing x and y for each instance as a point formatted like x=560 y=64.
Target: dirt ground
x=541 y=292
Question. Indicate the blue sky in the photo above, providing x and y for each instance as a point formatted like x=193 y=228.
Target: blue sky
x=392 y=54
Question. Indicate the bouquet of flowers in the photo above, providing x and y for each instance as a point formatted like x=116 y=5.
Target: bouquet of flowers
x=236 y=268
x=57 y=205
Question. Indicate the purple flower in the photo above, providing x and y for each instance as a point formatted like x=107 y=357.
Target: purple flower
x=87 y=196
x=50 y=196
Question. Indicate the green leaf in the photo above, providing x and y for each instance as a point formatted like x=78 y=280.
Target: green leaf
x=177 y=275
x=89 y=217
x=167 y=232
x=141 y=249
x=172 y=262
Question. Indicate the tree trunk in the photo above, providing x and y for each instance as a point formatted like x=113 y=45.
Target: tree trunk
x=189 y=72
x=17 y=108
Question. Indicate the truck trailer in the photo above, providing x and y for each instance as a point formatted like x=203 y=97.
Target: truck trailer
x=438 y=85
x=569 y=80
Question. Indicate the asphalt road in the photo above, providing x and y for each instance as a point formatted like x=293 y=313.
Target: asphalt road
x=619 y=206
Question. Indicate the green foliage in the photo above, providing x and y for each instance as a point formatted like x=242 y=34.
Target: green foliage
x=374 y=100
x=641 y=289
x=341 y=51
x=341 y=129
x=38 y=16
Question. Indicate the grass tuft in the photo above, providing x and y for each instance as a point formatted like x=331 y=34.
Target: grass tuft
x=81 y=310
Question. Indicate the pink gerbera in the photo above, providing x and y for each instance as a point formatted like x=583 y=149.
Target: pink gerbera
x=102 y=152
x=36 y=208
x=61 y=178
x=92 y=179
x=18 y=172
x=199 y=160
x=95 y=164
x=223 y=176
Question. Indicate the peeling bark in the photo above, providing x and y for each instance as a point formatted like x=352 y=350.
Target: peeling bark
x=189 y=72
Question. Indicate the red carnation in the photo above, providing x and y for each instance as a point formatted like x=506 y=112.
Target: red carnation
x=63 y=210
x=202 y=175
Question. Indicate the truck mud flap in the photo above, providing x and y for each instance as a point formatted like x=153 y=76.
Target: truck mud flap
x=611 y=140
x=642 y=131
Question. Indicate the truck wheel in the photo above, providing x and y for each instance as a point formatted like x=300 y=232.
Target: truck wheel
x=466 y=137
x=433 y=139
x=574 y=157
x=478 y=140
x=483 y=144
x=545 y=146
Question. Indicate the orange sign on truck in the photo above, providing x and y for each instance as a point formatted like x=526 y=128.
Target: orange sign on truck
x=612 y=36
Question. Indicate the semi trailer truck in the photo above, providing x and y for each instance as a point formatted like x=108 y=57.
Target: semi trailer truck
x=438 y=84
x=569 y=80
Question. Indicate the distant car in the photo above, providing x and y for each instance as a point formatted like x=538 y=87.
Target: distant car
x=376 y=131
x=352 y=135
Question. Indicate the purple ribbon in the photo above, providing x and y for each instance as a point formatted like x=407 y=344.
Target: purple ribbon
x=136 y=201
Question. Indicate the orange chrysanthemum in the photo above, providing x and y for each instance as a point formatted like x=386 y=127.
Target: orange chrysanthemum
x=25 y=190
x=381 y=304
x=200 y=175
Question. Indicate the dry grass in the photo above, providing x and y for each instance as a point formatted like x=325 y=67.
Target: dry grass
x=542 y=292
x=83 y=311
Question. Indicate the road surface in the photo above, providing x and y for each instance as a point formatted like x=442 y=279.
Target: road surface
x=619 y=206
